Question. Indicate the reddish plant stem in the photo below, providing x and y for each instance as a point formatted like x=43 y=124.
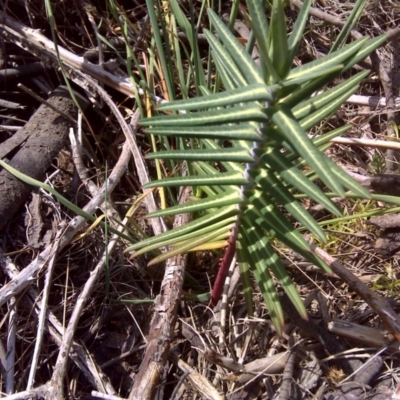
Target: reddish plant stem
x=224 y=264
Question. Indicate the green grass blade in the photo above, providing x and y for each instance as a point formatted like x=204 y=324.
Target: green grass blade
x=71 y=206
x=161 y=48
x=190 y=33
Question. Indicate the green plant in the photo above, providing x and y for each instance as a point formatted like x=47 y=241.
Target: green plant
x=247 y=150
x=387 y=282
x=378 y=163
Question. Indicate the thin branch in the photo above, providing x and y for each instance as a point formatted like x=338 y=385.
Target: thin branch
x=381 y=144
x=34 y=42
x=129 y=131
x=25 y=277
x=42 y=314
x=385 y=312
x=11 y=335
x=78 y=354
x=61 y=363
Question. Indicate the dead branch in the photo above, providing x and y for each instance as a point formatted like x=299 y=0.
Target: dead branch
x=385 y=312
x=163 y=323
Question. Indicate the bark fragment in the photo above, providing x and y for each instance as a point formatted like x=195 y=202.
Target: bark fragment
x=46 y=133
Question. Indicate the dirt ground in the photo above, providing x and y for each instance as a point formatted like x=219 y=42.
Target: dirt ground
x=78 y=315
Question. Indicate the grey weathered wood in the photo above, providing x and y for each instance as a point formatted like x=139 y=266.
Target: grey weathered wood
x=46 y=133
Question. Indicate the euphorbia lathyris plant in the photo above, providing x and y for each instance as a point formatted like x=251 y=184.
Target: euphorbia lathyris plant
x=249 y=154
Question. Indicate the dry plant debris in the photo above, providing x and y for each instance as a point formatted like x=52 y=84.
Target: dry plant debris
x=80 y=319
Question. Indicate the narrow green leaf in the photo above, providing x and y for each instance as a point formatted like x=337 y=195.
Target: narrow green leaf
x=338 y=57
x=274 y=221
x=215 y=201
x=258 y=264
x=228 y=224
x=366 y=50
x=242 y=59
x=296 y=135
x=224 y=178
x=223 y=74
x=225 y=61
x=349 y=182
x=313 y=119
x=296 y=36
x=244 y=267
x=278 y=269
x=328 y=136
x=205 y=168
x=188 y=245
x=265 y=214
x=294 y=177
x=278 y=43
x=243 y=131
x=256 y=92
x=192 y=226
x=229 y=165
x=273 y=263
x=260 y=27
x=245 y=113
x=270 y=184
x=350 y=23
x=237 y=154
x=315 y=103
x=311 y=85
